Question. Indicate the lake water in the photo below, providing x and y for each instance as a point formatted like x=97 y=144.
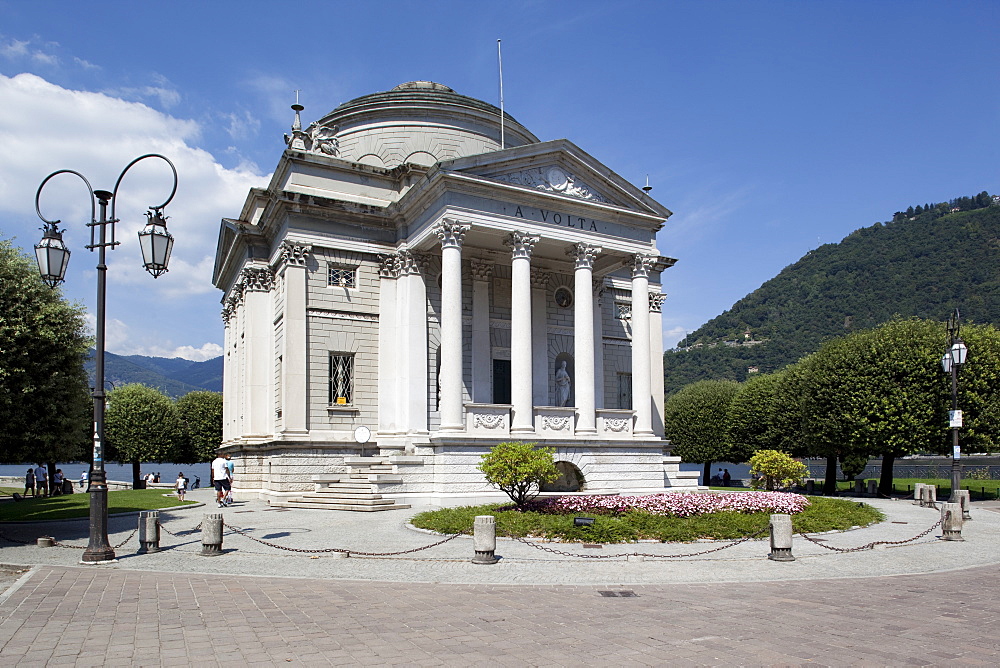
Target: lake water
x=121 y=472
x=168 y=472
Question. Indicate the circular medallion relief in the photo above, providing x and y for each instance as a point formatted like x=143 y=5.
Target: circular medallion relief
x=563 y=297
x=557 y=178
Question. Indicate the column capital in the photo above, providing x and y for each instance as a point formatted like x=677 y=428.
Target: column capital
x=482 y=270
x=257 y=279
x=520 y=243
x=295 y=254
x=540 y=278
x=656 y=300
x=413 y=264
x=642 y=265
x=390 y=265
x=450 y=232
x=585 y=254
x=227 y=313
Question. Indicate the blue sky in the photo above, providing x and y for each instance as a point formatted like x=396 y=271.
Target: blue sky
x=767 y=127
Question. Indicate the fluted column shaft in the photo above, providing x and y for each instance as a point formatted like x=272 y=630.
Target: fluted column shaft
x=521 y=245
x=583 y=336
x=451 y=233
x=641 y=392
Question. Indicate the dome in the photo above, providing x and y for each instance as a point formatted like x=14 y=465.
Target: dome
x=419 y=122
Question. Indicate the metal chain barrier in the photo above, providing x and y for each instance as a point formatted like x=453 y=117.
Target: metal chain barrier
x=181 y=534
x=243 y=533
x=734 y=543
x=871 y=545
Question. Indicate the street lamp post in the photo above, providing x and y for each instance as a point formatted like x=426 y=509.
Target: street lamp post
x=953 y=358
x=53 y=259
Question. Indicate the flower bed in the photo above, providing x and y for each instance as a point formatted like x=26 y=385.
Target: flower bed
x=675 y=504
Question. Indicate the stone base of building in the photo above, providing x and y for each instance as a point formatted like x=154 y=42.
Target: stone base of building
x=442 y=470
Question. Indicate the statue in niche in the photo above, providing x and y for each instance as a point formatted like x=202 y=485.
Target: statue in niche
x=563 y=383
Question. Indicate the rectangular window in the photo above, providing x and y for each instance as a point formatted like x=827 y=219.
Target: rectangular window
x=341 y=379
x=339 y=276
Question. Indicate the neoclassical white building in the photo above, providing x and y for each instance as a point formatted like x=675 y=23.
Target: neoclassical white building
x=444 y=281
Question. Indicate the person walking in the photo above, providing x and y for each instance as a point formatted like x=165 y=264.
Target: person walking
x=220 y=476
x=57 y=482
x=726 y=478
x=231 y=467
x=41 y=481
x=29 y=482
x=181 y=486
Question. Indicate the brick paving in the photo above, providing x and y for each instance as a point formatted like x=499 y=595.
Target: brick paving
x=92 y=616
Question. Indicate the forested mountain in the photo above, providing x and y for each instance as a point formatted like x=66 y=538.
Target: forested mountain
x=175 y=377
x=926 y=262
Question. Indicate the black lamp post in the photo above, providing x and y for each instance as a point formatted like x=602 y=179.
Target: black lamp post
x=953 y=358
x=53 y=258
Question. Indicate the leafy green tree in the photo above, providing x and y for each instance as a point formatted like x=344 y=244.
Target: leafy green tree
x=45 y=407
x=751 y=417
x=853 y=465
x=978 y=380
x=876 y=392
x=201 y=417
x=773 y=470
x=519 y=469
x=141 y=425
x=695 y=421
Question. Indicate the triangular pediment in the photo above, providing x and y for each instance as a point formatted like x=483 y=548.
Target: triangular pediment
x=559 y=168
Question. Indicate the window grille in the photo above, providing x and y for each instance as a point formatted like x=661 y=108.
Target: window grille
x=624 y=310
x=341 y=379
x=341 y=277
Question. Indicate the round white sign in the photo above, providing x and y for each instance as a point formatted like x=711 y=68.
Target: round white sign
x=362 y=434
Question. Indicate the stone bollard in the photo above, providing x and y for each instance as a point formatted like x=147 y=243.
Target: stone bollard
x=149 y=531
x=928 y=496
x=211 y=535
x=484 y=539
x=781 y=538
x=45 y=541
x=951 y=521
x=918 y=498
x=859 y=487
x=965 y=500
x=873 y=488
x=810 y=486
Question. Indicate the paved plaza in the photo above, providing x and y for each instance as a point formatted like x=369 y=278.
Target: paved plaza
x=928 y=602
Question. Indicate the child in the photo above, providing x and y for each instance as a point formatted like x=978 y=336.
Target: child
x=181 y=486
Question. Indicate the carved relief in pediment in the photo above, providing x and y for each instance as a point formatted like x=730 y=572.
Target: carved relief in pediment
x=553 y=179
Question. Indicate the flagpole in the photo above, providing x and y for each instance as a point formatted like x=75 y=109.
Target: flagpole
x=500 y=62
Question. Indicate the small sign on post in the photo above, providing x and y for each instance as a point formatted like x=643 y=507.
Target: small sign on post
x=955 y=419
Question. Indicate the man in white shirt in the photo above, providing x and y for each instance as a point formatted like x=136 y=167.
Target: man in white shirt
x=42 y=480
x=222 y=479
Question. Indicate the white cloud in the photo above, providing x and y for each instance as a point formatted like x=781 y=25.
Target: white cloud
x=672 y=335
x=241 y=125
x=44 y=128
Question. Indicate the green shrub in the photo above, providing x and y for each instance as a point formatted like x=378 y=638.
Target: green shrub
x=773 y=470
x=519 y=469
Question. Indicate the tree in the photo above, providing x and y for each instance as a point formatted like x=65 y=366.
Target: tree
x=200 y=414
x=853 y=465
x=44 y=404
x=519 y=469
x=751 y=417
x=876 y=392
x=773 y=470
x=141 y=425
x=695 y=421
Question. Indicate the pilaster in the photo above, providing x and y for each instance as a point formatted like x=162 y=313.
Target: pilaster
x=294 y=353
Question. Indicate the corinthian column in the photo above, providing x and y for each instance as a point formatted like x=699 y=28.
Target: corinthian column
x=451 y=233
x=583 y=336
x=294 y=393
x=642 y=399
x=521 y=245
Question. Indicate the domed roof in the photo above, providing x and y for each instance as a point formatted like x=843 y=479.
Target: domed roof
x=421 y=122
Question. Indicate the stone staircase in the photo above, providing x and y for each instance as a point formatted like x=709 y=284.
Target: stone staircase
x=357 y=490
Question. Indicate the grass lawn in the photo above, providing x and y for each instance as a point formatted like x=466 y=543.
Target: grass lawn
x=981 y=489
x=69 y=506
x=823 y=514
